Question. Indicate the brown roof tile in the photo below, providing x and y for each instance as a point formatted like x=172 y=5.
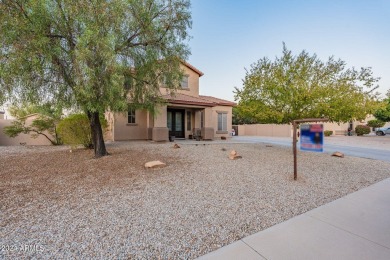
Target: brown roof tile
x=201 y=100
x=218 y=100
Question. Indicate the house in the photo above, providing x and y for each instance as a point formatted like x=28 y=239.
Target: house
x=185 y=114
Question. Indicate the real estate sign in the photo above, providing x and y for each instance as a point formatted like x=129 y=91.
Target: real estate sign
x=312 y=137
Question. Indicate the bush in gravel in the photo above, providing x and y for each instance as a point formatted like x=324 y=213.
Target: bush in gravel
x=362 y=130
x=328 y=132
x=75 y=130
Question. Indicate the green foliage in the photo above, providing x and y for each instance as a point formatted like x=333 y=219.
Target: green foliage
x=95 y=56
x=375 y=123
x=362 y=130
x=45 y=118
x=75 y=130
x=383 y=114
x=295 y=87
x=240 y=118
x=328 y=132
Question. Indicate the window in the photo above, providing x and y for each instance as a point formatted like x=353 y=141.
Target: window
x=184 y=81
x=188 y=120
x=131 y=116
x=222 y=121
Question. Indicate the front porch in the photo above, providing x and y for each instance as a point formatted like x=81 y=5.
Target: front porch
x=182 y=117
x=182 y=122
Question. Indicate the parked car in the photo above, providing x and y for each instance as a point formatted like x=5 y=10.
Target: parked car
x=382 y=131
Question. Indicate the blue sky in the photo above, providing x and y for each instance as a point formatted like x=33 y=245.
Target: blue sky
x=229 y=35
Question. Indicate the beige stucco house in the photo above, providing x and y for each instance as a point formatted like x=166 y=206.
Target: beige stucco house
x=186 y=113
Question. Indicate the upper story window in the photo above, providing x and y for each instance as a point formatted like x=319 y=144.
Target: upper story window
x=131 y=116
x=184 y=81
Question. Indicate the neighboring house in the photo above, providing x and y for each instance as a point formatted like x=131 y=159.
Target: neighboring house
x=2 y=114
x=186 y=113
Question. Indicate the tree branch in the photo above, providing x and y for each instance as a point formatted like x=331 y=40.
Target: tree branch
x=41 y=133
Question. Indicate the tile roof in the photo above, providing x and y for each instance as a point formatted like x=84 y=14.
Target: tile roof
x=218 y=100
x=201 y=100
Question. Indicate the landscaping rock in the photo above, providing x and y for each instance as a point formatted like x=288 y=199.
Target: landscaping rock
x=234 y=155
x=124 y=209
x=338 y=154
x=176 y=146
x=155 y=164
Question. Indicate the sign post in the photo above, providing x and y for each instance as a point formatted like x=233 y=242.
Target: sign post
x=316 y=139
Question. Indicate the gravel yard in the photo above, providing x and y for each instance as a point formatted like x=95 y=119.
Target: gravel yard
x=62 y=205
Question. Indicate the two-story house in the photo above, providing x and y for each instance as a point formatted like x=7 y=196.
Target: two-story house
x=186 y=113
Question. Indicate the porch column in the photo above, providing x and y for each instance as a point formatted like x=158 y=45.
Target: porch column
x=208 y=128
x=197 y=119
x=160 y=130
x=149 y=124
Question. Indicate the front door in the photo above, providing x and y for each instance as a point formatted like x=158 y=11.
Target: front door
x=175 y=122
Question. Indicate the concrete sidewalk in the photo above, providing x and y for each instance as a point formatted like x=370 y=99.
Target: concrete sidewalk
x=356 y=226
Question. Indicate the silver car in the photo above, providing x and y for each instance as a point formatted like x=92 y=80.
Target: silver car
x=383 y=131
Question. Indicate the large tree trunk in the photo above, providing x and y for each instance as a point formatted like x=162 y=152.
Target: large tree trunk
x=97 y=134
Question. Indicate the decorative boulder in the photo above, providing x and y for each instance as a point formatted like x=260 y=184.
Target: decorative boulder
x=234 y=155
x=154 y=164
x=338 y=154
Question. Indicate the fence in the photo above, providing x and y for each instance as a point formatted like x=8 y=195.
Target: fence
x=274 y=130
x=265 y=130
x=22 y=139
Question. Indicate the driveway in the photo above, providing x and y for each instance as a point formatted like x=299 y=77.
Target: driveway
x=368 y=146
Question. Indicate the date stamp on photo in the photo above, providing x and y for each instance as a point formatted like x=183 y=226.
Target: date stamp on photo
x=21 y=248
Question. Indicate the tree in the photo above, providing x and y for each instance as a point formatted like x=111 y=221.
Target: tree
x=45 y=122
x=383 y=114
x=375 y=123
x=96 y=55
x=240 y=118
x=302 y=86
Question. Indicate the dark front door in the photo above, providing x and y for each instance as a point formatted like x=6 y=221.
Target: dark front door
x=175 y=122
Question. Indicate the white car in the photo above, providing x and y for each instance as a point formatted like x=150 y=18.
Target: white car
x=383 y=131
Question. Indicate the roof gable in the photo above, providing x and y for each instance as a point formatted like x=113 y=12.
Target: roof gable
x=192 y=68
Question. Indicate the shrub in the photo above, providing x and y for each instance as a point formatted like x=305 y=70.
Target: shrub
x=75 y=130
x=375 y=123
x=362 y=130
x=328 y=132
